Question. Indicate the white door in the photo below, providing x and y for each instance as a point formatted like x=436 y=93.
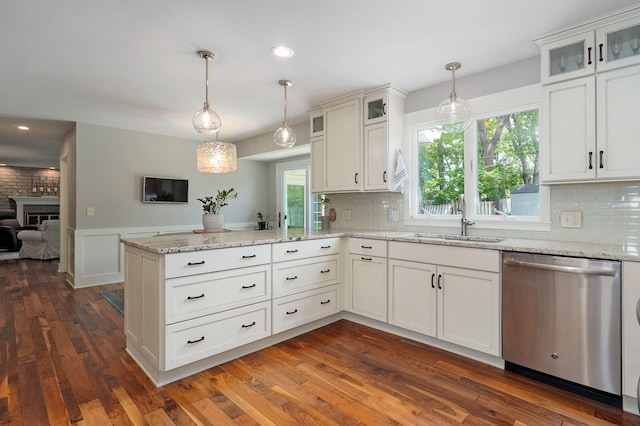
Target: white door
x=298 y=208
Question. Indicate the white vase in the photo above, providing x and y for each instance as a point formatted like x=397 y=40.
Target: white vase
x=212 y=222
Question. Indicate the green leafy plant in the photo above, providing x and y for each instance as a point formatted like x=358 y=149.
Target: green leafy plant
x=211 y=205
x=262 y=217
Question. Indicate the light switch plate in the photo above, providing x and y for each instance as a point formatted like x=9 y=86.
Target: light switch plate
x=571 y=220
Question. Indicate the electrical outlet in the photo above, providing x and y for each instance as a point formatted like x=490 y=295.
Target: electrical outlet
x=571 y=220
x=346 y=214
x=390 y=214
x=396 y=215
x=90 y=211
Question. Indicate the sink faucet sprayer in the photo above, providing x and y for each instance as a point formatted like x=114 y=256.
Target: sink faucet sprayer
x=464 y=222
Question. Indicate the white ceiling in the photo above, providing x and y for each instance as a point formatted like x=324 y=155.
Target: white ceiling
x=133 y=64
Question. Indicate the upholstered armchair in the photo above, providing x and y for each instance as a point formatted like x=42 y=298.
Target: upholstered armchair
x=42 y=244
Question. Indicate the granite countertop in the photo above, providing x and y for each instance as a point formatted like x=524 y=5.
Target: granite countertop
x=186 y=242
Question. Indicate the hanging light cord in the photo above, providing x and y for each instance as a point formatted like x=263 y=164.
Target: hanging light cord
x=206 y=57
x=453 y=95
x=284 y=123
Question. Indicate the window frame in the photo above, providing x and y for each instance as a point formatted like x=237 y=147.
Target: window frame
x=516 y=100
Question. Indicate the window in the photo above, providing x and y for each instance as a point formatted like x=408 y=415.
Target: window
x=491 y=170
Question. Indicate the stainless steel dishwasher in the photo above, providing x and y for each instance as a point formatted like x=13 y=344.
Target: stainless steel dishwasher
x=561 y=316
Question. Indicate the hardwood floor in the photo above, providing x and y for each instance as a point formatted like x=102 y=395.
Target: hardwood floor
x=62 y=361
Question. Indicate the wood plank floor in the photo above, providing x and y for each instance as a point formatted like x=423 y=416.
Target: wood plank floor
x=62 y=361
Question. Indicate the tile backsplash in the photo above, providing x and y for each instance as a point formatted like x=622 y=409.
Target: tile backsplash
x=610 y=213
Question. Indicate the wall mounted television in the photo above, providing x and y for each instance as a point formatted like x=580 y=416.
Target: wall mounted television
x=164 y=190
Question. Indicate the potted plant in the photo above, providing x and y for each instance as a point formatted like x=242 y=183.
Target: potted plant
x=212 y=219
x=263 y=223
x=325 y=220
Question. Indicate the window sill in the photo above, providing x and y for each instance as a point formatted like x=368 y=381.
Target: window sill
x=498 y=223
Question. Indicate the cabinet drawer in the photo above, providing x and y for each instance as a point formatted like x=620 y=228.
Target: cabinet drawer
x=298 y=309
x=368 y=247
x=204 y=294
x=461 y=257
x=200 y=262
x=196 y=339
x=306 y=274
x=309 y=248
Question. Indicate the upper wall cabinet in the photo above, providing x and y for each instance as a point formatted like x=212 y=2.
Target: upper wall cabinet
x=355 y=140
x=591 y=84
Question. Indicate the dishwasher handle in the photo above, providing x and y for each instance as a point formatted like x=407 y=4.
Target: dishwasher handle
x=560 y=268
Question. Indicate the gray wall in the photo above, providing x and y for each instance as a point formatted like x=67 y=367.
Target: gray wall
x=110 y=164
x=517 y=74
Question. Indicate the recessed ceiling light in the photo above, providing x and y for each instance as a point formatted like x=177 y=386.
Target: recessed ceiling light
x=25 y=128
x=282 y=51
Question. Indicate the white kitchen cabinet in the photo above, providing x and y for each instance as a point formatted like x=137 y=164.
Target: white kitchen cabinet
x=343 y=146
x=356 y=149
x=318 y=165
x=383 y=109
x=183 y=307
x=591 y=77
x=302 y=308
x=306 y=276
x=630 y=335
x=413 y=296
x=604 y=44
x=316 y=123
x=451 y=293
x=368 y=278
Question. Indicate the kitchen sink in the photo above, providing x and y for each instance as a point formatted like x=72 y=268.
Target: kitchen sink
x=459 y=238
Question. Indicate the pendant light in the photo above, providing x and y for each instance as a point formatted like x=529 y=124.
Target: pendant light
x=454 y=114
x=285 y=137
x=206 y=121
x=217 y=157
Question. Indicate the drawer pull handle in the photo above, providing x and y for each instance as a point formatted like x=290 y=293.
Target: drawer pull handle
x=195 y=263
x=439 y=283
x=366 y=258
x=249 y=286
x=432 y=278
x=325 y=247
x=195 y=297
x=295 y=277
x=367 y=247
x=249 y=257
x=248 y=325
x=292 y=312
x=601 y=164
x=195 y=341
x=325 y=271
x=324 y=303
x=292 y=251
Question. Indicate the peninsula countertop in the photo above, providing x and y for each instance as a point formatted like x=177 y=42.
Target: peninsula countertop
x=187 y=242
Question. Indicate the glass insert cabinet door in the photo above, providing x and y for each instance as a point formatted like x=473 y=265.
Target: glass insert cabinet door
x=375 y=107
x=570 y=57
x=618 y=44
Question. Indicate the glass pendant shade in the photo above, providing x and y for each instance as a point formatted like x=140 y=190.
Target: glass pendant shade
x=206 y=121
x=455 y=114
x=285 y=137
x=217 y=157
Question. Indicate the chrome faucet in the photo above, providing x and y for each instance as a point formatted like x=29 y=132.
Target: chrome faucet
x=464 y=222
